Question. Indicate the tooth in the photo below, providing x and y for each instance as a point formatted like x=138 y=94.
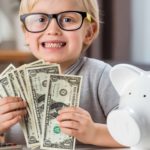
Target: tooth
x=53 y=45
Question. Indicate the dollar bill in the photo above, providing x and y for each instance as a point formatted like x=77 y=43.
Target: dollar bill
x=63 y=91
x=8 y=69
x=27 y=123
x=5 y=88
x=4 y=83
x=37 y=85
x=22 y=73
x=12 y=83
x=3 y=92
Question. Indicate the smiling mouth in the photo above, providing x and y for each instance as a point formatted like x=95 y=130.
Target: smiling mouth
x=53 y=44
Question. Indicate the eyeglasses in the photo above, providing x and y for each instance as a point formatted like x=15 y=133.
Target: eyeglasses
x=68 y=20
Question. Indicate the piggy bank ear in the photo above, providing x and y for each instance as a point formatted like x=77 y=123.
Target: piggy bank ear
x=122 y=75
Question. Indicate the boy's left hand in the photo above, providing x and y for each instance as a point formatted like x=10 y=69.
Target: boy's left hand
x=77 y=122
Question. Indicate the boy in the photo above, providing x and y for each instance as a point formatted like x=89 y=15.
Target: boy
x=60 y=32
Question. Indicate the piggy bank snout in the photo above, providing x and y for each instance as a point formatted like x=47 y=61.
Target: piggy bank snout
x=123 y=127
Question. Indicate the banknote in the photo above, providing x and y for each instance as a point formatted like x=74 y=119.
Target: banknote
x=63 y=91
x=4 y=83
x=27 y=123
x=37 y=85
x=5 y=88
x=22 y=74
x=8 y=69
x=3 y=92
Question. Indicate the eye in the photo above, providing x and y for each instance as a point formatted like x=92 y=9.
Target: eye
x=144 y=95
x=41 y=19
x=67 y=20
x=130 y=93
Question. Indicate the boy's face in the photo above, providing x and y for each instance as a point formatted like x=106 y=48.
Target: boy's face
x=54 y=44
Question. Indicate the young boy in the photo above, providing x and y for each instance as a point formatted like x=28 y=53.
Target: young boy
x=60 y=32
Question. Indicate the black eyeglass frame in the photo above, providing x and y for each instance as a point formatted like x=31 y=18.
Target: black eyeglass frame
x=51 y=16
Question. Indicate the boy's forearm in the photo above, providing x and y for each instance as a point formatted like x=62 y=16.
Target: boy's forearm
x=102 y=137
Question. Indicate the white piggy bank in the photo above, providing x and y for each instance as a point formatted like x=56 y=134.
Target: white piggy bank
x=129 y=125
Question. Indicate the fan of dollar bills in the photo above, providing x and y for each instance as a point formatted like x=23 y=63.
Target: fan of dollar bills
x=46 y=91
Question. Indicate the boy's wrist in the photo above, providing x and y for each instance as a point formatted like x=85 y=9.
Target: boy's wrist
x=94 y=135
x=98 y=134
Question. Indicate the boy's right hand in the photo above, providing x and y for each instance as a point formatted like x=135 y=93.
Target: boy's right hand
x=12 y=110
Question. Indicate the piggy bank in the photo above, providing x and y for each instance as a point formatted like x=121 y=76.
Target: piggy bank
x=129 y=125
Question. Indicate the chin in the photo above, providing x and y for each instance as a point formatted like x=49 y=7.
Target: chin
x=52 y=60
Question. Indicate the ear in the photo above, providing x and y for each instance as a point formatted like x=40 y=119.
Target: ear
x=90 y=33
x=122 y=75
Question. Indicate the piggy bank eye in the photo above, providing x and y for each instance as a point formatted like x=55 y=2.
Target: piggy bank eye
x=144 y=95
x=130 y=93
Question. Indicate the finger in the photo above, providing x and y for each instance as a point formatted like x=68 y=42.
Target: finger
x=70 y=132
x=69 y=124
x=12 y=106
x=6 y=125
x=6 y=100
x=11 y=115
x=69 y=116
x=68 y=109
x=73 y=109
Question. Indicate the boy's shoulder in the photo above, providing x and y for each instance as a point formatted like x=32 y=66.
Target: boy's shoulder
x=95 y=69
x=85 y=66
x=97 y=64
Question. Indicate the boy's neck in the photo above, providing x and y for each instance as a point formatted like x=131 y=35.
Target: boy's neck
x=65 y=66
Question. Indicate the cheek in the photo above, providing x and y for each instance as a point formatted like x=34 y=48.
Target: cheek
x=32 y=40
x=31 y=37
x=77 y=39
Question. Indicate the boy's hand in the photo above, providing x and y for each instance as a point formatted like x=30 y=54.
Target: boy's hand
x=77 y=122
x=12 y=109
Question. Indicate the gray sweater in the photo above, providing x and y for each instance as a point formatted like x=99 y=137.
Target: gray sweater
x=98 y=96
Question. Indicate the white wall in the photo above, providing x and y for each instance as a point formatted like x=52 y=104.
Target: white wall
x=140 y=49
x=11 y=36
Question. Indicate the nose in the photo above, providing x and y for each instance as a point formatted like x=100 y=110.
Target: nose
x=53 y=28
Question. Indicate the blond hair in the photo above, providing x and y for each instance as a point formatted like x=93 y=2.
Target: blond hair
x=90 y=6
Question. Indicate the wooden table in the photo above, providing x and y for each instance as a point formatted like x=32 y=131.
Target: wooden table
x=15 y=56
